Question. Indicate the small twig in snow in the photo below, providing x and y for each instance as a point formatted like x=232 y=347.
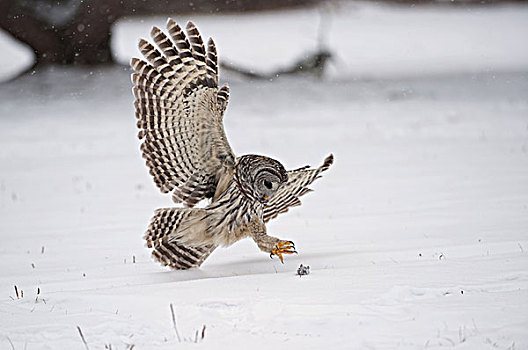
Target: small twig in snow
x=461 y=334
x=10 y=342
x=203 y=332
x=174 y=323
x=82 y=337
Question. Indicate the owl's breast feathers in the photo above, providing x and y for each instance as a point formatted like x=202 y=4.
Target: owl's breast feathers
x=233 y=215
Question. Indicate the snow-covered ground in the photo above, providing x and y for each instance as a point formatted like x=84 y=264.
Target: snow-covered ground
x=417 y=237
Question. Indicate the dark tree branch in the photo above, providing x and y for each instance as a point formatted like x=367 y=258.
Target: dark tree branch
x=78 y=31
x=313 y=64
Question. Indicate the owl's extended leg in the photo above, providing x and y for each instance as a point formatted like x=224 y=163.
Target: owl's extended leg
x=273 y=245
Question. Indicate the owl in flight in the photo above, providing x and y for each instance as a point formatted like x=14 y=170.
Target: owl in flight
x=179 y=108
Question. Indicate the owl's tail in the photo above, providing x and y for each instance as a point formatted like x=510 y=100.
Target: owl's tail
x=175 y=253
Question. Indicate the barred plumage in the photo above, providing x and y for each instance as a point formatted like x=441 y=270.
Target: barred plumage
x=174 y=254
x=297 y=185
x=180 y=108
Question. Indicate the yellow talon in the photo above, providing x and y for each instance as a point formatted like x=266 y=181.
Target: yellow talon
x=283 y=247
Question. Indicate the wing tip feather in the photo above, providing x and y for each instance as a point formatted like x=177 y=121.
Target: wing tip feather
x=154 y=31
x=327 y=163
x=329 y=160
x=189 y=26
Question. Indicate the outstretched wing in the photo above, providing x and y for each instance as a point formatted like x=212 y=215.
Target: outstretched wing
x=288 y=195
x=179 y=109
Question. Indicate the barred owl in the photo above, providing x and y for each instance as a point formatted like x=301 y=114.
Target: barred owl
x=180 y=107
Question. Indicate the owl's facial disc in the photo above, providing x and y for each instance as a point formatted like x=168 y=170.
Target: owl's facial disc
x=260 y=177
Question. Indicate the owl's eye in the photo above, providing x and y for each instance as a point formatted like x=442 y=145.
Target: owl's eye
x=268 y=184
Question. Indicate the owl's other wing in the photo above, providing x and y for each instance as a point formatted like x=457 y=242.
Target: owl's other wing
x=288 y=195
x=180 y=107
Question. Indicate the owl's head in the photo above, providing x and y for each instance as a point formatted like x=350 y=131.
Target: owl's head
x=260 y=177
